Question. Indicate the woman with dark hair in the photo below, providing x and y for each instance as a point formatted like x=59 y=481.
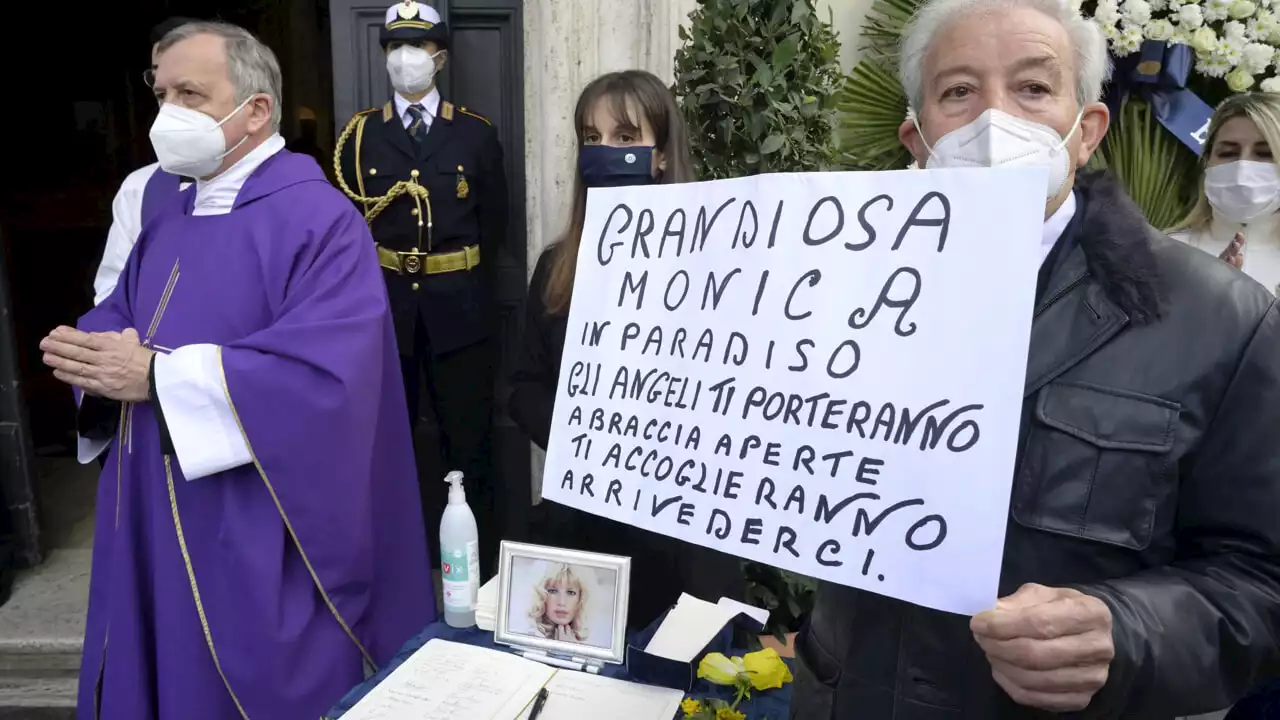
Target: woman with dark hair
x=630 y=132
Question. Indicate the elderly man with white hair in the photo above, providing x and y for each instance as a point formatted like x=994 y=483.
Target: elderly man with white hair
x=258 y=545
x=1141 y=574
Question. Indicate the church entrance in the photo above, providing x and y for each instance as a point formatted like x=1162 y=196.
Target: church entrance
x=78 y=124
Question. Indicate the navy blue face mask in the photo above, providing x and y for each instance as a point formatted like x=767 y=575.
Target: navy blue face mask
x=605 y=166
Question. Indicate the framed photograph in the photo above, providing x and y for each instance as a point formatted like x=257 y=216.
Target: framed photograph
x=567 y=602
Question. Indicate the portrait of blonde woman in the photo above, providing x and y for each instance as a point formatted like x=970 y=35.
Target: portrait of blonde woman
x=1235 y=216
x=563 y=602
x=559 y=604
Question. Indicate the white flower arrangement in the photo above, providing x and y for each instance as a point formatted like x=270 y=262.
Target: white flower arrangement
x=1236 y=40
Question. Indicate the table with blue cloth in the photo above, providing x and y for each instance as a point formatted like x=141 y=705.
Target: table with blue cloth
x=769 y=705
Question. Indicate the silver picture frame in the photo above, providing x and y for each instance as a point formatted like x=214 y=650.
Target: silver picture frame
x=619 y=565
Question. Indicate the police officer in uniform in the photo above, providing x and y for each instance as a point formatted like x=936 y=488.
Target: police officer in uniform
x=429 y=178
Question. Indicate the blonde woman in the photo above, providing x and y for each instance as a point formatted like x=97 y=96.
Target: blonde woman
x=1235 y=217
x=560 y=604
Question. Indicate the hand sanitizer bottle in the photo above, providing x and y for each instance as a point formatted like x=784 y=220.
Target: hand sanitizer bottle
x=459 y=556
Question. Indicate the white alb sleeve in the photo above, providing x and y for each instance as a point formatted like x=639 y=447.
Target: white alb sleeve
x=192 y=395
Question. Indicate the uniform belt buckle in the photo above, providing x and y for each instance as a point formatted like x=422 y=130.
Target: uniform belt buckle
x=411 y=262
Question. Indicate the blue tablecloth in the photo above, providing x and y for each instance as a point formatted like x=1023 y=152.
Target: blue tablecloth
x=771 y=705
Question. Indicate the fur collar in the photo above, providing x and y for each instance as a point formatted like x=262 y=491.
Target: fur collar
x=1116 y=239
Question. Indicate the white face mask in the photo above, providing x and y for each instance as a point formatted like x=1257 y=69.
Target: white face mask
x=998 y=139
x=412 y=69
x=1242 y=191
x=188 y=142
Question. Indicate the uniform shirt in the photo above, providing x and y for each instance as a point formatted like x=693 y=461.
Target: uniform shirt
x=1261 y=246
x=429 y=104
x=126 y=224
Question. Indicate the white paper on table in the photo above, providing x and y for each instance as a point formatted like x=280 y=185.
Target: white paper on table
x=688 y=627
x=736 y=608
x=583 y=696
x=821 y=371
x=450 y=681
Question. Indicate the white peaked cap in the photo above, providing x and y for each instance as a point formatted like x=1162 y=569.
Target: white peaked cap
x=425 y=12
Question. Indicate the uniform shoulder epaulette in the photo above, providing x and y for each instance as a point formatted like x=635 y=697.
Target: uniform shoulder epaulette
x=481 y=118
x=366 y=112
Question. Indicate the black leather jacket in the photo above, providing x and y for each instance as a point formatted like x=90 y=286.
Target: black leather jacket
x=1149 y=476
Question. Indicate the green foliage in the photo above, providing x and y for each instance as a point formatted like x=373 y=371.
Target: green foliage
x=882 y=31
x=756 y=81
x=872 y=106
x=872 y=103
x=1157 y=170
x=787 y=596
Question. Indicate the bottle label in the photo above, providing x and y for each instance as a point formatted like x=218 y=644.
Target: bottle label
x=460 y=572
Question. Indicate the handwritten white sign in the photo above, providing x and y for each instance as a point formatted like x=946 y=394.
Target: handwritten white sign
x=823 y=372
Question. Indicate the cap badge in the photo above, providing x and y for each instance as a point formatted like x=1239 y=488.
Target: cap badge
x=408 y=10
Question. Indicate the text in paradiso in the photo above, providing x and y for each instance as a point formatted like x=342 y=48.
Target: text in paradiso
x=823 y=372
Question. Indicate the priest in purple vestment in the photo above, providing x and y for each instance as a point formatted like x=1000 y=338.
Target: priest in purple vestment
x=259 y=543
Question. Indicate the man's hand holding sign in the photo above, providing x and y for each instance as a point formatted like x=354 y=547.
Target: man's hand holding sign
x=1049 y=648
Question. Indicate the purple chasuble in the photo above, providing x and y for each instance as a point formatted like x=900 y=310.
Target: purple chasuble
x=262 y=591
x=161 y=188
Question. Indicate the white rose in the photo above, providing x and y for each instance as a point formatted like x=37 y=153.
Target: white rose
x=1159 y=29
x=1234 y=32
x=1204 y=40
x=1138 y=12
x=1257 y=57
x=1239 y=79
x=1271 y=84
x=1128 y=42
x=1241 y=9
x=1106 y=14
x=1217 y=10
x=1190 y=16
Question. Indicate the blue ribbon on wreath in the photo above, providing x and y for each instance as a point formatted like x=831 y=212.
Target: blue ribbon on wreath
x=1158 y=74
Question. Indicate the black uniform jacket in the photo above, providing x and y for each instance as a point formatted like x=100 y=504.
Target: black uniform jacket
x=1148 y=476
x=465 y=206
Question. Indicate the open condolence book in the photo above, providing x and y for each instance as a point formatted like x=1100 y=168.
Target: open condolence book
x=450 y=681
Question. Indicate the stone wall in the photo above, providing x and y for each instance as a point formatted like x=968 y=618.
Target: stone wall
x=569 y=42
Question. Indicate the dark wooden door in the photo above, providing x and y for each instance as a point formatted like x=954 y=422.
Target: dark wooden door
x=19 y=521
x=485 y=74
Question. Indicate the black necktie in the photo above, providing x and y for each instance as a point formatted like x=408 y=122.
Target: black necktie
x=418 y=127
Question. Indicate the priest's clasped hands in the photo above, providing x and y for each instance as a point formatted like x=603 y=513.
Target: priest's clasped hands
x=1049 y=648
x=110 y=365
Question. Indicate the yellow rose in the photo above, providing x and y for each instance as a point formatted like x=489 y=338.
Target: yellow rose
x=689 y=706
x=766 y=669
x=717 y=668
x=725 y=713
x=1239 y=79
x=1204 y=39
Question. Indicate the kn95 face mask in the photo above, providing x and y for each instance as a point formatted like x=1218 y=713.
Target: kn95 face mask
x=188 y=142
x=411 y=69
x=1242 y=191
x=998 y=139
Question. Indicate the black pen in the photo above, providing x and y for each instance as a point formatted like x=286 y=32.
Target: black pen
x=538 y=703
